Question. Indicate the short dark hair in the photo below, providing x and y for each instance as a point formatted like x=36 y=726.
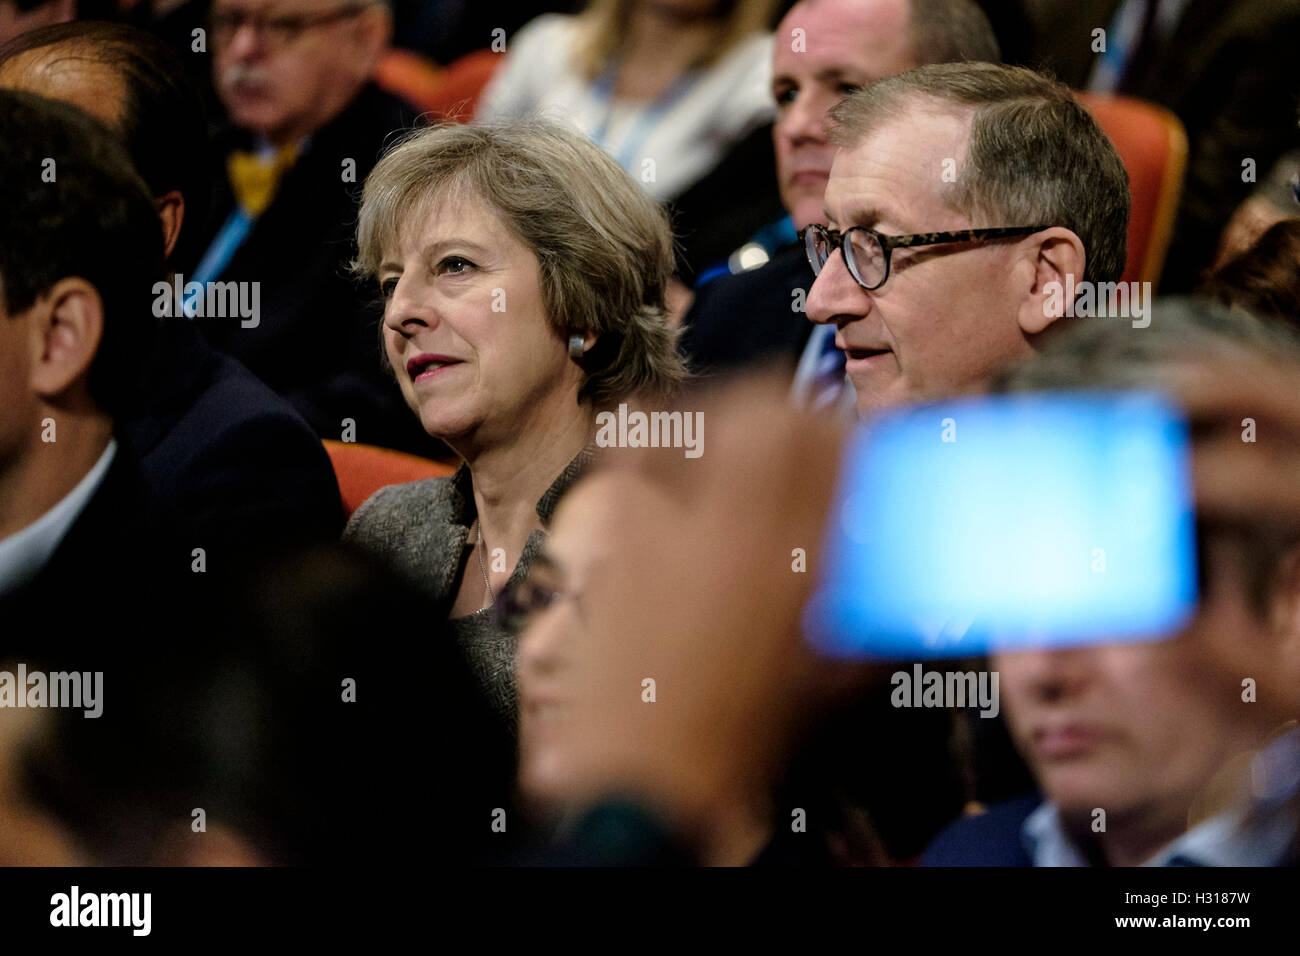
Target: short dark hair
x=163 y=121
x=1036 y=156
x=93 y=219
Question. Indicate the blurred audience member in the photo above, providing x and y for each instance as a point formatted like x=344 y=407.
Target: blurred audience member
x=211 y=440
x=305 y=669
x=758 y=314
x=79 y=538
x=446 y=30
x=1225 y=69
x=647 y=675
x=826 y=803
x=1277 y=198
x=306 y=128
x=970 y=196
x=1151 y=752
x=174 y=22
x=19 y=16
x=523 y=274
x=1265 y=279
x=669 y=88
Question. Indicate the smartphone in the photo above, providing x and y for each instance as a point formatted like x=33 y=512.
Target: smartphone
x=1043 y=519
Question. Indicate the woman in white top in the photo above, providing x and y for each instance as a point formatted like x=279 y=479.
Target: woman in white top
x=664 y=86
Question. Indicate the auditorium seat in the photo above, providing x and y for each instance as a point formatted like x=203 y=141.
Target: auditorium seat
x=1153 y=145
x=364 y=469
x=451 y=91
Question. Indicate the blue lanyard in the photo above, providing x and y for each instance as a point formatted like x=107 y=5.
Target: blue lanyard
x=645 y=125
x=227 y=242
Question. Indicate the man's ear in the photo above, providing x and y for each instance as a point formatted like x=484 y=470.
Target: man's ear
x=68 y=327
x=374 y=34
x=1284 y=614
x=1056 y=260
x=171 y=210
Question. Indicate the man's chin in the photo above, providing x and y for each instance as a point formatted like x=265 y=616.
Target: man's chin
x=873 y=397
x=254 y=114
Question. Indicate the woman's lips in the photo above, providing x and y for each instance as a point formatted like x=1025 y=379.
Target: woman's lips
x=432 y=370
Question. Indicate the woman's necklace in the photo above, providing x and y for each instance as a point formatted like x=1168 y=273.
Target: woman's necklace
x=482 y=563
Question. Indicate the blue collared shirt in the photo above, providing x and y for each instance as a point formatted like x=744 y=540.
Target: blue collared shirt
x=1261 y=831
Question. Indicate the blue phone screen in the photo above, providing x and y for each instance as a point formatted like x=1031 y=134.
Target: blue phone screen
x=1043 y=519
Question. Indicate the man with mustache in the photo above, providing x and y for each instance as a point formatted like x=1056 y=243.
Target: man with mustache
x=306 y=126
x=825 y=50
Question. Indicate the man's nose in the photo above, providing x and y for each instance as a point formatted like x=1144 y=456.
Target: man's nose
x=245 y=41
x=540 y=644
x=835 y=296
x=1052 y=674
x=804 y=120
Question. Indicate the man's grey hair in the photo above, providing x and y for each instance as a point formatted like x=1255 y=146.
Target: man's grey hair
x=1035 y=156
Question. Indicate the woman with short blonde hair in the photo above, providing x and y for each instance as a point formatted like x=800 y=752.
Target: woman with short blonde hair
x=523 y=276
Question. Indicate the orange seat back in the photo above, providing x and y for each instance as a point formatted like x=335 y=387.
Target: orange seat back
x=1153 y=145
x=452 y=91
x=362 y=470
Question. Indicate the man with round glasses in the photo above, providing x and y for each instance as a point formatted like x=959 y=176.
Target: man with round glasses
x=959 y=195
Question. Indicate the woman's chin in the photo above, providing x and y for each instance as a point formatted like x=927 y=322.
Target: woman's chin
x=442 y=425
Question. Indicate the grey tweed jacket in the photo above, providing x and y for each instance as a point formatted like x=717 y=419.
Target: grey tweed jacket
x=420 y=529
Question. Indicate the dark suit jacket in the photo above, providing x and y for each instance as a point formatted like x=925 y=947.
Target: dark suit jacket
x=218 y=447
x=116 y=581
x=317 y=343
x=724 y=208
x=747 y=318
x=990 y=839
x=1228 y=72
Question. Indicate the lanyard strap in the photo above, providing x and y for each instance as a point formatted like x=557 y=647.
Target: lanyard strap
x=649 y=119
x=227 y=242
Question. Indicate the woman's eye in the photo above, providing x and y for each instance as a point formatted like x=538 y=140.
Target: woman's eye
x=785 y=96
x=848 y=89
x=387 y=287
x=455 y=265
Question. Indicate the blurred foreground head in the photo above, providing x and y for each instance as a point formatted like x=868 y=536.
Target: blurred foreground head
x=20 y=16
x=662 y=659
x=1154 y=732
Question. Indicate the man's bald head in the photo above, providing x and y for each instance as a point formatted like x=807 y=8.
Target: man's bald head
x=136 y=85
